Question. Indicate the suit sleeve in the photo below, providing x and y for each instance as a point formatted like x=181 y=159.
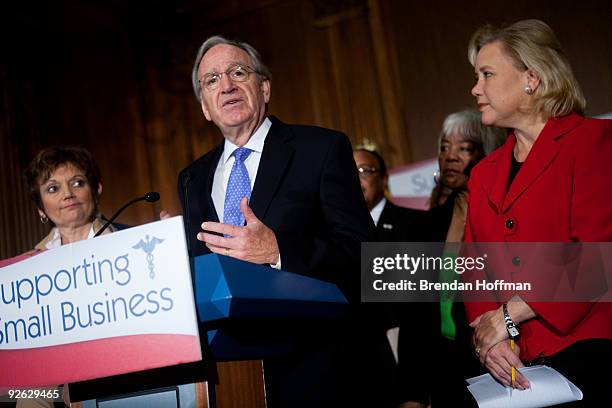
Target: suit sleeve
x=333 y=254
x=190 y=223
x=591 y=216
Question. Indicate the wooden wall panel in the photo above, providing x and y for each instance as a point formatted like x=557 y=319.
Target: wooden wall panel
x=20 y=228
x=353 y=76
x=395 y=142
x=436 y=78
x=115 y=77
x=102 y=108
x=241 y=385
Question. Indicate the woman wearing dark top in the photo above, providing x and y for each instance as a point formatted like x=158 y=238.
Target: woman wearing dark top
x=435 y=363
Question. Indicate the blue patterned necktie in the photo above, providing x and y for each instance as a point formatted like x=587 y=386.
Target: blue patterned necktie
x=238 y=187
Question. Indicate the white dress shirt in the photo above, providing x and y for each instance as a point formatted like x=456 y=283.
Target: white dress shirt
x=377 y=210
x=224 y=167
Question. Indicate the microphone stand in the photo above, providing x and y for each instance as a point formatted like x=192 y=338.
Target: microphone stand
x=151 y=197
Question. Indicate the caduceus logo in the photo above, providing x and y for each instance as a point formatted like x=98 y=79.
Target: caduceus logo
x=148 y=245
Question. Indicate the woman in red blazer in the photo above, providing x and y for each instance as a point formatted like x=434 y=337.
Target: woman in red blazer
x=550 y=182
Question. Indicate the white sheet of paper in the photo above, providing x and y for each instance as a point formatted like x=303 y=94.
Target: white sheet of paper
x=548 y=387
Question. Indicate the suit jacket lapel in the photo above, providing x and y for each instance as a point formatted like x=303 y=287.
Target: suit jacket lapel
x=386 y=217
x=203 y=187
x=544 y=151
x=275 y=158
x=495 y=173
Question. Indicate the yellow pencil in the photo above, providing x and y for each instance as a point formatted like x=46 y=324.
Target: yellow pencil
x=513 y=369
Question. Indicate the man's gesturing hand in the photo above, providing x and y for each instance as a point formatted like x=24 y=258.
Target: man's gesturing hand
x=254 y=242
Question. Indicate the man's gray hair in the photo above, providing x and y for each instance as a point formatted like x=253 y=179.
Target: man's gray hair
x=468 y=124
x=256 y=63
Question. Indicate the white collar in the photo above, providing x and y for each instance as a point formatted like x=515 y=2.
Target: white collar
x=255 y=143
x=377 y=210
x=56 y=241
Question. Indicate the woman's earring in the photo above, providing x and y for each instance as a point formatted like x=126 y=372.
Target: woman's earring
x=436 y=177
x=43 y=218
x=528 y=90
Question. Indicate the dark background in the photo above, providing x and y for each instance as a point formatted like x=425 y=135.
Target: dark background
x=114 y=76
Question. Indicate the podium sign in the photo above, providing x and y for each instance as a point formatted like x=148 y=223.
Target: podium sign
x=110 y=305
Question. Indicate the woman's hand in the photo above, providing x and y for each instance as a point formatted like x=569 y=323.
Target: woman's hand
x=499 y=361
x=489 y=329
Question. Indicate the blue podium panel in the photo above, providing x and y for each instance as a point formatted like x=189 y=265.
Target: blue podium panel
x=229 y=288
x=254 y=311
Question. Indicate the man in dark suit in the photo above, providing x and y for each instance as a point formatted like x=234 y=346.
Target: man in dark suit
x=275 y=194
x=393 y=223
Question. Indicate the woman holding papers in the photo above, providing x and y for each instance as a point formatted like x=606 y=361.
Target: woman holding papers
x=550 y=182
x=64 y=183
x=464 y=141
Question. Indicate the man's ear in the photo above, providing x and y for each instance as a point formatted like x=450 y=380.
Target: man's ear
x=205 y=111
x=265 y=89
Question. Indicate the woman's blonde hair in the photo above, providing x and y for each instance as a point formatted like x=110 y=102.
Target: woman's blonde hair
x=532 y=45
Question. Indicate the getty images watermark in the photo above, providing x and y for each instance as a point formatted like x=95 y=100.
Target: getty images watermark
x=449 y=263
x=422 y=272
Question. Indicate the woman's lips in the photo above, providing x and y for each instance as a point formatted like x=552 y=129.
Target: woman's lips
x=69 y=206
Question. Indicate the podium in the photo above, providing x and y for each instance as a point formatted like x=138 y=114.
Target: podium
x=245 y=312
x=252 y=311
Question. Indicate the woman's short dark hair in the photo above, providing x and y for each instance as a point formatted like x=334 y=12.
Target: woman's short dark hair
x=49 y=159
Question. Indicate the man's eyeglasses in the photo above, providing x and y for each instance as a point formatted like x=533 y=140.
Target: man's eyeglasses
x=366 y=171
x=237 y=73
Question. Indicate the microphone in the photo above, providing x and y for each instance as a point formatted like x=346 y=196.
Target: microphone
x=151 y=197
x=186 y=180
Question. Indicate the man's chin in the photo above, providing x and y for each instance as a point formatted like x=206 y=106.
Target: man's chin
x=235 y=119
